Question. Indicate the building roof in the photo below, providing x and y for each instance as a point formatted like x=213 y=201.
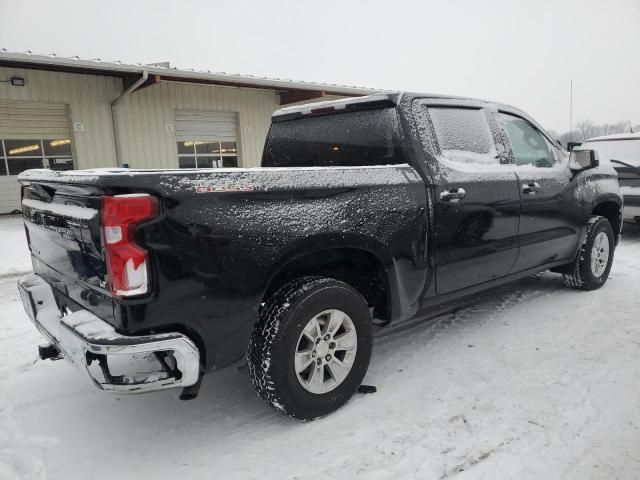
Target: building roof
x=615 y=136
x=163 y=71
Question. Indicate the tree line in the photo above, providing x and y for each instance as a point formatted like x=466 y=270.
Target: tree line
x=588 y=129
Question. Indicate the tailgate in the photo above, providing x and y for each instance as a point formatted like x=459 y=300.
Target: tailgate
x=62 y=223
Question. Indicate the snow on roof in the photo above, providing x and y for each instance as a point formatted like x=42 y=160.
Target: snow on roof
x=337 y=104
x=117 y=68
x=615 y=136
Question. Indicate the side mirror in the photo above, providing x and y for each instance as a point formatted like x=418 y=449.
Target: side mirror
x=583 y=159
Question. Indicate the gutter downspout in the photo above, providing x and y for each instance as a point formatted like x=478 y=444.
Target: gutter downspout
x=114 y=117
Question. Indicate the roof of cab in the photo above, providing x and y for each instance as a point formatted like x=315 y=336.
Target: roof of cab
x=386 y=98
x=391 y=99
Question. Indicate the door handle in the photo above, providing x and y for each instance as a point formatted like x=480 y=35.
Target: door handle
x=530 y=188
x=453 y=195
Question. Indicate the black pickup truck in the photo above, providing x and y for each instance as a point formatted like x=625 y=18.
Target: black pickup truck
x=365 y=212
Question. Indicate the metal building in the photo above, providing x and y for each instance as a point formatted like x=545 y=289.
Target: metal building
x=64 y=113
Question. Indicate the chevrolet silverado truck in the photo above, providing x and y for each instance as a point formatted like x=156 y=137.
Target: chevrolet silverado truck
x=364 y=213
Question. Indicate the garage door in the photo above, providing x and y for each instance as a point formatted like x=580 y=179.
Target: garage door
x=32 y=135
x=206 y=139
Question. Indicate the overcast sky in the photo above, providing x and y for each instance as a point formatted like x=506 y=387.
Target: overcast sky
x=522 y=53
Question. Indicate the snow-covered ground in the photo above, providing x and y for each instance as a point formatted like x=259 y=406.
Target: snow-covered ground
x=529 y=381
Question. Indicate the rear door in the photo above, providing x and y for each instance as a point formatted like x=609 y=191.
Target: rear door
x=32 y=135
x=206 y=139
x=549 y=215
x=476 y=197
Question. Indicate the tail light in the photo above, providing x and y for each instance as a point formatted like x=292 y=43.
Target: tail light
x=127 y=262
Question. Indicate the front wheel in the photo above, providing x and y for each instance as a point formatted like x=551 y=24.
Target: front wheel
x=591 y=269
x=311 y=347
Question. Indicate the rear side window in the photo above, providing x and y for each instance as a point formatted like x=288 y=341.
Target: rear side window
x=358 y=138
x=463 y=134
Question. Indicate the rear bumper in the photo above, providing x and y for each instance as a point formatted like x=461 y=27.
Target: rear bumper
x=88 y=342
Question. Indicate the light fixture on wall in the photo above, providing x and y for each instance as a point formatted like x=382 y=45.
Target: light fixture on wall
x=18 y=81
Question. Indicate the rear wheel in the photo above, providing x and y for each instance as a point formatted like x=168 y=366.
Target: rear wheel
x=311 y=347
x=591 y=269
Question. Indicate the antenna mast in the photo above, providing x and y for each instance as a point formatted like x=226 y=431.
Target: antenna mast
x=571 y=111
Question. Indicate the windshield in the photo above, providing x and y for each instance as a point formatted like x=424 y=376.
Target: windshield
x=358 y=138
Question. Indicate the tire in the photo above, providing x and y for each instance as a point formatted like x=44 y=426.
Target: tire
x=580 y=274
x=278 y=335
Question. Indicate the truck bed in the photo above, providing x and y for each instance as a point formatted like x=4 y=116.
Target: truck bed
x=221 y=236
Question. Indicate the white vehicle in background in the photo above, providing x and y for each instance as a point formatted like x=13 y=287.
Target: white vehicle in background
x=622 y=150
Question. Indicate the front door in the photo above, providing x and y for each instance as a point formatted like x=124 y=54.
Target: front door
x=549 y=216
x=476 y=200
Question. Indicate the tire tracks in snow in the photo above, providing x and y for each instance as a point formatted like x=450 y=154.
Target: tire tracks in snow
x=497 y=300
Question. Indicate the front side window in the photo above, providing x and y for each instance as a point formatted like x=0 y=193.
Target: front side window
x=356 y=138
x=528 y=144
x=463 y=135
x=20 y=155
x=207 y=154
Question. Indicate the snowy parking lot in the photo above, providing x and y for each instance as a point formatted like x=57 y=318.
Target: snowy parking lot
x=530 y=380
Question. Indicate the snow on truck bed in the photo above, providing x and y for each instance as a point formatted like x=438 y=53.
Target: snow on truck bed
x=230 y=179
x=45 y=173
x=528 y=381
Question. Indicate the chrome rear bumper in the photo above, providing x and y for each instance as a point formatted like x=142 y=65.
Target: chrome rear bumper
x=86 y=340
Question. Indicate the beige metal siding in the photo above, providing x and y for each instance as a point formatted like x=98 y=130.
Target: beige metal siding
x=144 y=117
x=88 y=99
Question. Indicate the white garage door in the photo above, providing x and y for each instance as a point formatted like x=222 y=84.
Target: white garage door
x=32 y=135
x=206 y=139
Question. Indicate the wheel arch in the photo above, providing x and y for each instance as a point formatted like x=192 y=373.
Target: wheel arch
x=611 y=209
x=365 y=269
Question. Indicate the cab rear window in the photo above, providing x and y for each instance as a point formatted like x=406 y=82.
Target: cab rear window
x=357 y=138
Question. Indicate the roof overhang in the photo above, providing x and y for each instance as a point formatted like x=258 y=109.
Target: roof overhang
x=290 y=91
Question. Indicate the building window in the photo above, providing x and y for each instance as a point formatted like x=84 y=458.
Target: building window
x=16 y=156
x=207 y=154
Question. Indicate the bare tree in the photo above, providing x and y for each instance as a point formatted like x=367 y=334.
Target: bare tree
x=620 y=127
x=586 y=129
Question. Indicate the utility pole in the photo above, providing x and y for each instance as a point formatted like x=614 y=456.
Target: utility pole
x=571 y=111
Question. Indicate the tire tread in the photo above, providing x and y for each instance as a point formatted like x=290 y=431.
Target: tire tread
x=575 y=277
x=265 y=336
